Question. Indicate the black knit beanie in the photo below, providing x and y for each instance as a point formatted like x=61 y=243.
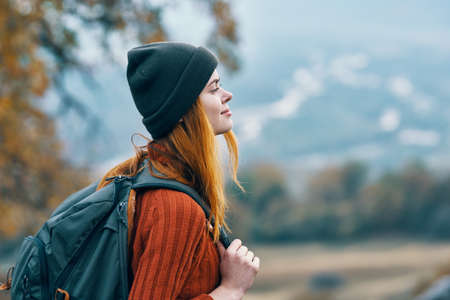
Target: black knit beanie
x=165 y=80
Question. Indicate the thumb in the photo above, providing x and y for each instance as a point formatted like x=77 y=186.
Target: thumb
x=221 y=248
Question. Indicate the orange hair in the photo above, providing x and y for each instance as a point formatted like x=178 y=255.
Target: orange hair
x=193 y=153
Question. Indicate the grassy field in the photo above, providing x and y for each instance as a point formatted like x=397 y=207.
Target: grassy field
x=370 y=270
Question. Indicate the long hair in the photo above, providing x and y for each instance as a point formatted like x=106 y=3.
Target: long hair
x=193 y=154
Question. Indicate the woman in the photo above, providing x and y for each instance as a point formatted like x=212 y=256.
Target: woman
x=174 y=251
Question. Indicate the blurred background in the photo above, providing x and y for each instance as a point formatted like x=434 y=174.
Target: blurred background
x=341 y=109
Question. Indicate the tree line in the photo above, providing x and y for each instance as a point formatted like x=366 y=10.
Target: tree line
x=342 y=203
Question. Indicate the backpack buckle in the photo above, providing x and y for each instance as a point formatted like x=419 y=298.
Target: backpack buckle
x=7 y=284
x=63 y=292
x=117 y=178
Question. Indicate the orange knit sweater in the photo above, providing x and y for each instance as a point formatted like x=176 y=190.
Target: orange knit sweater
x=171 y=252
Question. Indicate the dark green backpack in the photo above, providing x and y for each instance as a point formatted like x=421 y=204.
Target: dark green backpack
x=81 y=251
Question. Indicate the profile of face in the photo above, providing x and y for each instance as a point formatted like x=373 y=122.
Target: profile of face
x=214 y=100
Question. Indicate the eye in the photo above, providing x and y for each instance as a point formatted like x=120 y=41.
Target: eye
x=217 y=88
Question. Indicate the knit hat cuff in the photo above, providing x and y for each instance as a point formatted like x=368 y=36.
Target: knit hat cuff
x=189 y=86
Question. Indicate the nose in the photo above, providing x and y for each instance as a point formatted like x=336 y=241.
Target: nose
x=227 y=96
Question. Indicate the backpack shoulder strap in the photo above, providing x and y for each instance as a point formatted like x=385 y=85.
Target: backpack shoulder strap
x=144 y=179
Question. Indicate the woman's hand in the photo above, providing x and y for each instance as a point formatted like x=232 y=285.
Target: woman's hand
x=238 y=266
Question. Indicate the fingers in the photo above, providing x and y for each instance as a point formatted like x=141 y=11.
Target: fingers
x=242 y=251
x=255 y=263
x=234 y=246
x=250 y=255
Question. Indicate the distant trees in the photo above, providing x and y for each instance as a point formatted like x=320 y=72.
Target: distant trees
x=341 y=203
x=336 y=183
x=255 y=213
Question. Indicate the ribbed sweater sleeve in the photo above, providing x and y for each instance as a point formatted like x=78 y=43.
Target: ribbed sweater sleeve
x=169 y=229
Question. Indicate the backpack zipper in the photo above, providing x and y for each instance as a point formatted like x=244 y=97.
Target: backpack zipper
x=43 y=265
x=123 y=241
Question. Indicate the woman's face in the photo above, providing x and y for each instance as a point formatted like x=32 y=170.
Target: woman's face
x=214 y=100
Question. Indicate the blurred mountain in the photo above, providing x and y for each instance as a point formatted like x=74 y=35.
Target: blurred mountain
x=330 y=110
x=325 y=85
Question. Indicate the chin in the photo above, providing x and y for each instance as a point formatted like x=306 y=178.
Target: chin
x=223 y=130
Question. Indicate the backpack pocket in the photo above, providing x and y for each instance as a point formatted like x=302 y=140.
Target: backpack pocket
x=29 y=278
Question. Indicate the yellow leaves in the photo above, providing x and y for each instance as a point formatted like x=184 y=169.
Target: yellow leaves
x=5 y=105
x=58 y=4
x=18 y=218
x=12 y=219
x=157 y=36
x=224 y=35
x=33 y=176
x=225 y=21
x=39 y=82
x=22 y=70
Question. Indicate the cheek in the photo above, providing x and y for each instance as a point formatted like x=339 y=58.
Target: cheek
x=212 y=107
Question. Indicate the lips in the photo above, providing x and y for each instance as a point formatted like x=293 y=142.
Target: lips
x=225 y=111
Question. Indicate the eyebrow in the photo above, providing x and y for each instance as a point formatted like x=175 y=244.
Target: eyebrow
x=215 y=80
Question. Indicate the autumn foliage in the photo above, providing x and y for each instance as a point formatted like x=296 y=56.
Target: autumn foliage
x=37 y=48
